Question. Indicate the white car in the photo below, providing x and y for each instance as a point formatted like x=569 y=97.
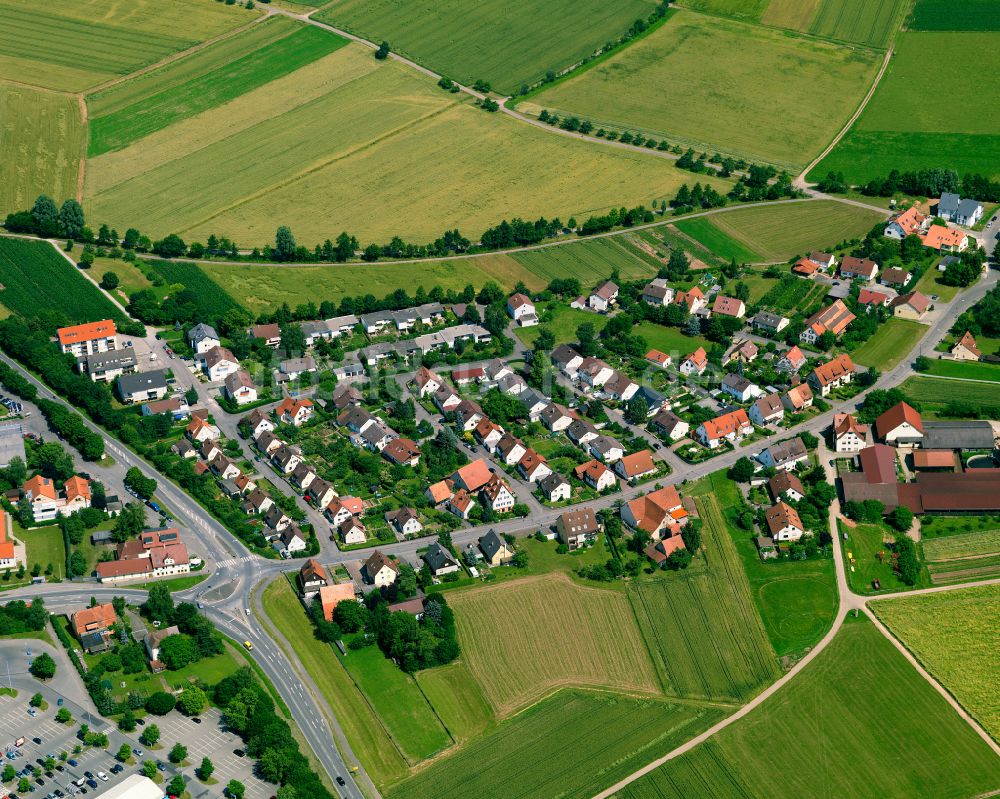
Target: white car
x=102 y=776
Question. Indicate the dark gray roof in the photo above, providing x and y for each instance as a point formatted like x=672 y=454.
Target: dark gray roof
x=490 y=544
x=737 y=382
x=654 y=398
x=551 y=482
x=948 y=204
x=112 y=359
x=438 y=557
x=785 y=451
x=202 y=331
x=142 y=381
x=967 y=207
x=958 y=435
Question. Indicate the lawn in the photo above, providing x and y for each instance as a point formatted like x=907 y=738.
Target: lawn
x=945 y=526
x=893 y=341
x=956 y=638
x=545 y=633
x=507 y=44
x=669 y=339
x=727 y=103
x=935 y=395
x=569 y=746
x=209 y=670
x=966 y=370
x=710 y=236
x=333 y=146
x=900 y=130
x=35 y=276
x=131 y=278
x=703 y=629
x=863 y=544
x=779 y=232
x=858 y=722
x=965 y=556
x=563 y=324
x=72 y=46
x=457 y=700
x=398 y=702
x=208 y=78
x=931 y=284
x=45 y=547
x=365 y=733
x=41 y=140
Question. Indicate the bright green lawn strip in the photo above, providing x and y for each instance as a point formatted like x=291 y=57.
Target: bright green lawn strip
x=894 y=339
x=569 y=745
x=863 y=543
x=177 y=583
x=210 y=670
x=758 y=285
x=704 y=232
x=669 y=339
x=457 y=699
x=932 y=527
x=865 y=709
x=930 y=284
x=935 y=394
x=176 y=101
x=967 y=370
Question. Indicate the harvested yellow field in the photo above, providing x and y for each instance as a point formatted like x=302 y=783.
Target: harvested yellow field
x=794 y=14
x=524 y=639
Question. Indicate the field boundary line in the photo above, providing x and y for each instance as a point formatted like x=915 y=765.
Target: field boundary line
x=42 y=89
x=959 y=379
x=81 y=173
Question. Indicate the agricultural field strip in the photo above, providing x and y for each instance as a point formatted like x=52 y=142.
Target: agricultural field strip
x=958 y=547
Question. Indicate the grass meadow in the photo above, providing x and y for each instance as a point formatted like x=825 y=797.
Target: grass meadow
x=899 y=129
x=968 y=370
x=861 y=551
x=457 y=700
x=563 y=323
x=778 y=232
x=73 y=46
x=569 y=745
x=507 y=44
x=893 y=340
x=589 y=261
x=351 y=143
x=793 y=294
x=933 y=395
x=858 y=722
x=955 y=635
x=35 y=276
x=930 y=284
x=208 y=78
x=41 y=141
x=670 y=339
x=524 y=639
x=728 y=103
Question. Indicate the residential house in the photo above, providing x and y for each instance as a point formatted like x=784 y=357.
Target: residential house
x=461 y=503
x=784 y=455
x=257 y=503
x=156 y=553
x=945 y=239
x=739 y=388
x=694 y=362
x=286 y=459
x=620 y=387
x=767 y=410
x=439 y=493
x=404 y=520
x=729 y=306
x=488 y=434
x=657 y=292
x=729 y=427
x=295 y=411
x=656 y=513
x=465 y=375
x=510 y=449
x=321 y=493
x=46 y=502
x=594 y=372
x=440 y=560
x=218 y=363
x=209 y=451
x=555 y=488
x=88 y=338
x=805 y=268
x=912 y=305
x=341 y=508
x=276 y=520
x=791 y=360
x=596 y=475
x=581 y=432
x=835 y=318
x=294 y=368
x=92 y=627
x=522 y=310
x=270 y=333
x=693 y=300
x=833 y=374
x=769 y=323
x=380 y=570
x=633 y=468
x=852 y=268
x=200 y=430
x=224 y=467
x=907 y=223
x=328 y=328
x=798 y=398
x=346 y=396
x=953 y=208
x=468 y=414
x=239 y=388
x=578 y=528
x=868 y=299
x=352 y=531
x=446 y=400
x=303 y=476
x=426 y=381
x=966 y=349
x=267 y=442
x=533 y=466
x=312 y=577
x=895 y=277
x=496 y=551
x=534 y=402
x=497 y=495
x=743 y=351
x=142 y=386
x=786 y=485
x=375 y=437
x=606 y=449
x=258 y=421
x=202 y=338
x=103 y=367
x=556 y=417
x=402 y=452
x=603 y=297
x=824 y=260
x=332 y=595
x=184 y=449
x=472 y=476
x=784 y=523
x=849 y=435
x=177 y=407
x=655 y=401
x=512 y=384
x=567 y=360
x=900 y=425
x=245 y=484
x=658 y=358
x=670 y=424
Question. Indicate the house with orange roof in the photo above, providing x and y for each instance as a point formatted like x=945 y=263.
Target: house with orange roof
x=908 y=223
x=88 y=339
x=200 y=430
x=805 y=268
x=636 y=466
x=294 y=411
x=8 y=552
x=426 y=381
x=440 y=492
x=402 y=452
x=497 y=495
x=488 y=434
x=784 y=522
x=694 y=362
x=729 y=306
x=533 y=466
x=900 y=425
x=868 y=299
x=596 y=475
x=798 y=398
x=849 y=435
x=341 y=508
x=655 y=513
x=833 y=374
x=92 y=626
x=461 y=503
x=834 y=318
x=966 y=349
x=792 y=360
x=219 y=363
x=658 y=358
x=472 y=476
x=728 y=427
x=332 y=595
x=945 y=239
x=694 y=299
x=46 y=501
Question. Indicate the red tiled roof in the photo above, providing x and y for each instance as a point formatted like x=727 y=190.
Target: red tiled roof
x=89 y=331
x=897 y=415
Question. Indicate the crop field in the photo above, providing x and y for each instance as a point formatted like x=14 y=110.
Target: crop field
x=212 y=300
x=934 y=395
x=749 y=10
x=457 y=700
x=796 y=15
x=893 y=340
x=569 y=745
x=703 y=630
x=34 y=276
x=507 y=44
x=874 y=727
x=546 y=633
x=956 y=636
x=336 y=143
x=72 y=46
x=365 y=733
x=900 y=130
x=588 y=261
x=793 y=294
x=210 y=77
x=728 y=103
x=706 y=233
x=778 y=232
x=948 y=15
x=968 y=370
x=868 y=22
x=963 y=557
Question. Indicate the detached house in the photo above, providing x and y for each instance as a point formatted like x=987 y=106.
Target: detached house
x=852 y=268
x=869 y=299
x=402 y=452
x=440 y=560
x=596 y=475
x=533 y=467
x=693 y=300
x=510 y=449
x=522 y=310
x=694 y=362
x=784 y=455
x=426 y=381
x=784 y=523
x=404 y=520
x=46 y=502
x=962 y=212
x=670 y=424
x=832 y=374
x=849 y=435
x=945 y=239
x=824 y=260
x=594 y=372
x=767 y=410
x=786 y=485
x=380 y=570
x=567 y=360
x=900 y=425
x=497 y=495
x=895 y=277
x=142 y=386
x=908 y=223
x=88 y=339
x=556 y=417
x=603 y=297
x=581 y=432
x=657 y=292
x=727 y=427
x=966 y=348
x=258 y=421
x=738 y=387
x=554 y=487
x=312 y=577
x=767 y=322
x=658 y=358
x=798 y=398
x=352 y=531
x=270 y=334
x=496 y=551
x=912 y=305
x=729 y=306
x=834 y=318
x=219 y=363
x=202 y=338
x=199 y=430
x=657 y=512
x=577 y=528
x=239 y=388
x=606 y=448
x=295 y=411
x=633 y=468
x=620 y=387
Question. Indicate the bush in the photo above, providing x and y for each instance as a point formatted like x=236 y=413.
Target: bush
x=43 y=667
x=160 y=703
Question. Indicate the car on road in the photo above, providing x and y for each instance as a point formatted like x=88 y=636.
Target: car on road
x=200 y=606
x=239 y=753
x=37 y=741
x=92 y=783
x=141 y=722
x=161 y=765
x=340 y=781
x=136 y=752
x=88 y=774
x=248 y=645
x=72 y=762
x=248 y=611
x=32 y=712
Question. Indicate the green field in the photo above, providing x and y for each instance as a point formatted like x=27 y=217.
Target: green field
x=41 y=138
x=955 y=636
x=893 y=341
x=948 y=15
x=212 y=300
x=45 y=547
x=457 y=700
x=749 y=10
x=507 y=44
x=899 y=129
x=365 y=733
x=130 y=277
x=346 y=143
x=570 y=745
x=869 y=22
x=934 y=395
x=564 y=322
x=859 y=722
x=669 y=339
x=967 y=370
x=34 y=276
x=794 y=295
x=929 y=284
x=864 y=543
x=589 y=261
x=72 y=46
x=729 y=102
x=778 y=232
x=962 y=546
x=208 y=78
x=397 y=701
x=703 y=629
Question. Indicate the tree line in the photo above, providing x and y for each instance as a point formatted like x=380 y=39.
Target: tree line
x=919 y=183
